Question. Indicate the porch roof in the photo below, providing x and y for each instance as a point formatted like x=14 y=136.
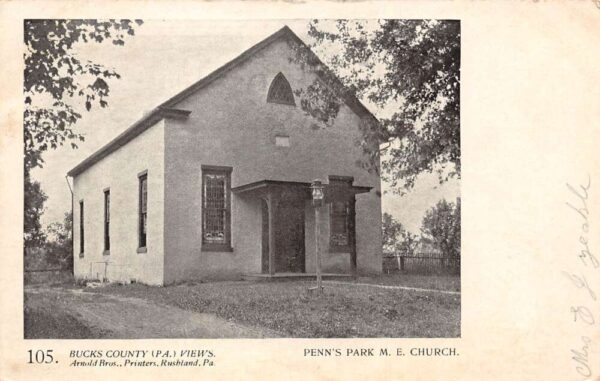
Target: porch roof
x=264 y=184
x=332 y=190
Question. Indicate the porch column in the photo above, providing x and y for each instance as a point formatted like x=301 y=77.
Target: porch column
x=272 y=201
x=352 y=235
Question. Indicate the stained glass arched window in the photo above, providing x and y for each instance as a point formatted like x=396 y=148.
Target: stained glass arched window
x=281 y=91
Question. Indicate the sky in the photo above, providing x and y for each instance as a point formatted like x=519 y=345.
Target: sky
x=165 y=57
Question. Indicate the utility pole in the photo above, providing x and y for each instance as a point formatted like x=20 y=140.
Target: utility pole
x=317 y=239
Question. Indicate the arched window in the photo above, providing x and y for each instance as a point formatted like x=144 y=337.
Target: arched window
x=281 y=91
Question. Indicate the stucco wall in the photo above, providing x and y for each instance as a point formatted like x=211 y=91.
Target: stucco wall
x=119 y=172
x=231 y=124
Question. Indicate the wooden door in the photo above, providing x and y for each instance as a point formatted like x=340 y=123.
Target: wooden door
x=289 y=254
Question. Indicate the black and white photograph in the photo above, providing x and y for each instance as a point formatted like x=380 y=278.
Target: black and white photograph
x=266 y=190
x=242 y=178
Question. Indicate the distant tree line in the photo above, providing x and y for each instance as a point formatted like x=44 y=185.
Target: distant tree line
x=440 y=232
x=53 y=246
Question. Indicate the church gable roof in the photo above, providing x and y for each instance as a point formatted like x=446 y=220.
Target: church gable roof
x=168 y=108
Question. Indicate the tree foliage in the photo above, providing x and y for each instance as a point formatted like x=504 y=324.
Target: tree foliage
x=34 y=208
x=396 y=239
x=391 y=232
x=60 y=242
x=410 y=71
x=441 y=226
x=56 y=79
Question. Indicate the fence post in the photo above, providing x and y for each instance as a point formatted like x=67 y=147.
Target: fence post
x=401 y=263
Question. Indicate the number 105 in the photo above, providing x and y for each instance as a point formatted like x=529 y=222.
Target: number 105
x=40 y=356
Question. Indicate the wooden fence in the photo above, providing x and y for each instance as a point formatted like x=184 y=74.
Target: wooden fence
x=421 y=263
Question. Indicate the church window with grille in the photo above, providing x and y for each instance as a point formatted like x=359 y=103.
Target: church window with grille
x=342 y=215
x=340 y=223
x=216 y=208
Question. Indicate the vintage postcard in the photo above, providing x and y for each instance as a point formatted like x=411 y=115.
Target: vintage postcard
x=317 y=190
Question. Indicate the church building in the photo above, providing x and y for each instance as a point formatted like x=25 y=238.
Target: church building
x=215 y=183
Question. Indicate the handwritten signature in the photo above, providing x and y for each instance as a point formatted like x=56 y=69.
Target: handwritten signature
x=583 y=211
x=582 y=314
x=581 y=358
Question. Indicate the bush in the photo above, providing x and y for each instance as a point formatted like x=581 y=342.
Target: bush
x=60 y=244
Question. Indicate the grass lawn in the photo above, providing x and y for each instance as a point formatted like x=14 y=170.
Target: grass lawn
x=287 y=307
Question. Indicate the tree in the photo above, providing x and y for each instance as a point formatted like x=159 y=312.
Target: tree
x=56 y=79
x=34 y=208
x=410 y=71
x=396 y=239
x=408 y=242
x=441 y=226
x=60 y=242
x=391 y=230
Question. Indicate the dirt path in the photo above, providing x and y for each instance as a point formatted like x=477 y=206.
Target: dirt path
x=133 y=318
x=393 y=287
